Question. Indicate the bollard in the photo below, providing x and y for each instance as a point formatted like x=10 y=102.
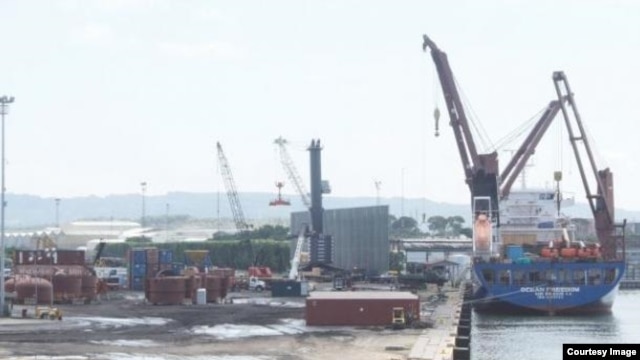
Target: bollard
x=462 y=341
x=464 y=330
x=461 y=353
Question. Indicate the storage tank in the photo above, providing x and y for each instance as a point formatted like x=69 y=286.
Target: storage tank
x=27 y=287
x=192 y=284
x=168 y=290
x=213 y=284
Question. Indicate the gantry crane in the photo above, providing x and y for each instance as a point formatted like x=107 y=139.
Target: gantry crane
x=232 y=193
x=291 y=171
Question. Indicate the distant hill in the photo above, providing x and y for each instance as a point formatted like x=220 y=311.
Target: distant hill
x=25 y=211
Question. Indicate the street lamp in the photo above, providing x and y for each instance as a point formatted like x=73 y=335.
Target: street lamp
x=143 y=185
x=4 y=107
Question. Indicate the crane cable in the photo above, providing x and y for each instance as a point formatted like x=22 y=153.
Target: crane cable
x=518 y=131
x=472 y=116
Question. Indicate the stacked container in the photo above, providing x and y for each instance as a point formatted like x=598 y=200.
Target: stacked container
x=137 y=269
x=145 y=263
x=165 y=260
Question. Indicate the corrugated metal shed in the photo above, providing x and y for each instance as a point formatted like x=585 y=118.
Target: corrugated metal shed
x=360 y=236
x=359 y=308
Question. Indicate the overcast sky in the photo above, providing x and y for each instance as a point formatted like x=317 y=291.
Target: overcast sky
x=112 y=93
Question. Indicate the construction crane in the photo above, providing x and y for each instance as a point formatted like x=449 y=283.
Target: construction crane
x=232 y=193
x=291 y=171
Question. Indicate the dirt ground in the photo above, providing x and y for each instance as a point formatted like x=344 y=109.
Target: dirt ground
x=125 y=327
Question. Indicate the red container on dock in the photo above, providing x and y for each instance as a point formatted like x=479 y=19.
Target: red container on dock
x=358 y=308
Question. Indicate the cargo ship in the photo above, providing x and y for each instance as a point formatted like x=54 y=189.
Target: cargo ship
x=525 y=254
x=537 y=264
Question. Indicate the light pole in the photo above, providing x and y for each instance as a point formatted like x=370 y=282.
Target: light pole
x=57 y=200
x=143 y=185
x=166 y=225
x=4 y=107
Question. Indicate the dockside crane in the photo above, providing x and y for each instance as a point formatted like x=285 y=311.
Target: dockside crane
x=292 y=172
x=232 y=193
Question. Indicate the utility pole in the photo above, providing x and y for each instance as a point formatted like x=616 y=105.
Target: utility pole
x=57 y=200
x=4 y=107
x=377 y=183
x=143 y=186
x=166 y=224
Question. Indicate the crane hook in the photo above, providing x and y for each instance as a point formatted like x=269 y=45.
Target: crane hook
x=436 y=115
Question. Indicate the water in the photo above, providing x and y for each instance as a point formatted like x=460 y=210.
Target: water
x=505 y=337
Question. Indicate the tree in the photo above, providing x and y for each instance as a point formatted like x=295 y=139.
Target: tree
x=396 y=261
x=405 y=227
x=454 y=225
x=437 y=225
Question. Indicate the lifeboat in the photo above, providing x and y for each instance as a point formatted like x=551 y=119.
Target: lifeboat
x=569 y=252
x=549 y=252
x=584 y=253
x=482 y=233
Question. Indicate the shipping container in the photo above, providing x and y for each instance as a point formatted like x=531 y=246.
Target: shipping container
x=137 y=283
x=138 y=256
x=139 y=270
x=358 y=308
x=289 y=288
x=165 y=256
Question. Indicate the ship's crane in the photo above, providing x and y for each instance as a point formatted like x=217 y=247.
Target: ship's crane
x=481 y=170
x=291 y=171
x=601 y=203
x=232 y=193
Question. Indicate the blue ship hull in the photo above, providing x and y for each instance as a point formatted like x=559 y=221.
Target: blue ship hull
x=547 y=287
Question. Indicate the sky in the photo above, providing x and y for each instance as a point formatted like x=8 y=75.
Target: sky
x=111 y=93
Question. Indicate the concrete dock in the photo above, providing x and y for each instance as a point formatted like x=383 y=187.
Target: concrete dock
x=449 y=337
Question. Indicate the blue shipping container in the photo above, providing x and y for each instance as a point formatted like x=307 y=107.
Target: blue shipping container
x=166 y=256
x=139 y=256
x=137 y=283
x=514 y=252
x=139 y=270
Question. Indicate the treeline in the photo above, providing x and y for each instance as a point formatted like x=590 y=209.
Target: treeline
x=238 y=254
x=408 y=227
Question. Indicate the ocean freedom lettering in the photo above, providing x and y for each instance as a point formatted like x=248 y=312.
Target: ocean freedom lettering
x=544 y=292
x=608 y=351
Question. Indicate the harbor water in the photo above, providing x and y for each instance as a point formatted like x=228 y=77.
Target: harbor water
x=499 y=337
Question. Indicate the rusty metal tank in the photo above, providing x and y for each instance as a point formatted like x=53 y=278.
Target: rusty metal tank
x=88 y=287
x=192 y=284
x=66 y=288
x=168 y=290
x=27 y=287
x=10 y=285
x=224 y=288
x=213 y=284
